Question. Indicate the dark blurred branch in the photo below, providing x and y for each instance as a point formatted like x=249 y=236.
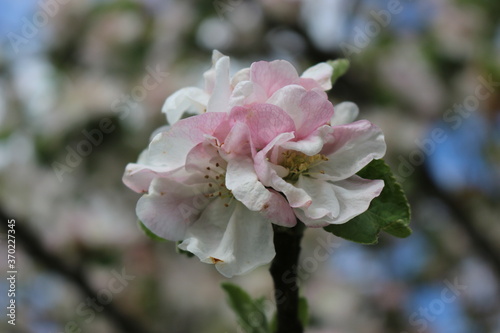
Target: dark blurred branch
x=464 y=219
x=32 y=245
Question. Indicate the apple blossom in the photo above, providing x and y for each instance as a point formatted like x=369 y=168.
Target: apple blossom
x=266 y=148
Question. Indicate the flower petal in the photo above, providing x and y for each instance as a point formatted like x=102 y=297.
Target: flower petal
x=190 y=99
x=324 y=201
x=233 y=238
x=219 y=99
x=240 y=76
x=247 y=92
x=273 y=75
x=353 y=195
x=321 y=73
x=351 y=147
x=242 y=180
x=204 y=159
x=210 y=74
x=138 y=177
x=169 y=213
x=265 y=122
x=312 y=144
x=308 y=109
x=345 y=113
x=169 y=149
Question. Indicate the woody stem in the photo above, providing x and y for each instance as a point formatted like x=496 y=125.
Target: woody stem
x=284 y=272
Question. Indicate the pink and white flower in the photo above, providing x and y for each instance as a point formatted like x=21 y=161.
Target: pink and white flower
x=266 y=148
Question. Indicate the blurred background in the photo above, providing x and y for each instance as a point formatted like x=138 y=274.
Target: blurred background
x=81 y=88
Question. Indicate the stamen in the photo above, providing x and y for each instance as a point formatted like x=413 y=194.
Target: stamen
x=299 y=163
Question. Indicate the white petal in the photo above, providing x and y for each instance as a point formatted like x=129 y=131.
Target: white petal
x=164 y=128
x=171 y=207
x=295 y=195
x=352 y=147
x=324 y=200
x=138 y=177
x=321 y=73
x=242 y=180
x=354 y=196
x=312 y=144
x=209 y=75
x=241 y=75
x=233 y=238
x=245 y=93
x=190 y=99
x=169 y=149
x=219 y=100
x=345 y=113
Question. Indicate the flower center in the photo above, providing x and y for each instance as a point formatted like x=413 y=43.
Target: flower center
x=299 y=163
x=216 y=177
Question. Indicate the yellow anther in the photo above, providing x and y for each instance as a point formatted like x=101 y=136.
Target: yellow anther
x=299 y=163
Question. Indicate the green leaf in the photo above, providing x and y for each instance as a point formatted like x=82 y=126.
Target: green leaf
x=389 y=212
x=149 y=233
x=303 y=315
x=340 y=67
x=251 y=316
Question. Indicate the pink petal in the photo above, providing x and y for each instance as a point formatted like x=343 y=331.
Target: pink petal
x=238 y=142
x=265 y=122
x=278 y=211
x=308 y=109
x=273 y=75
